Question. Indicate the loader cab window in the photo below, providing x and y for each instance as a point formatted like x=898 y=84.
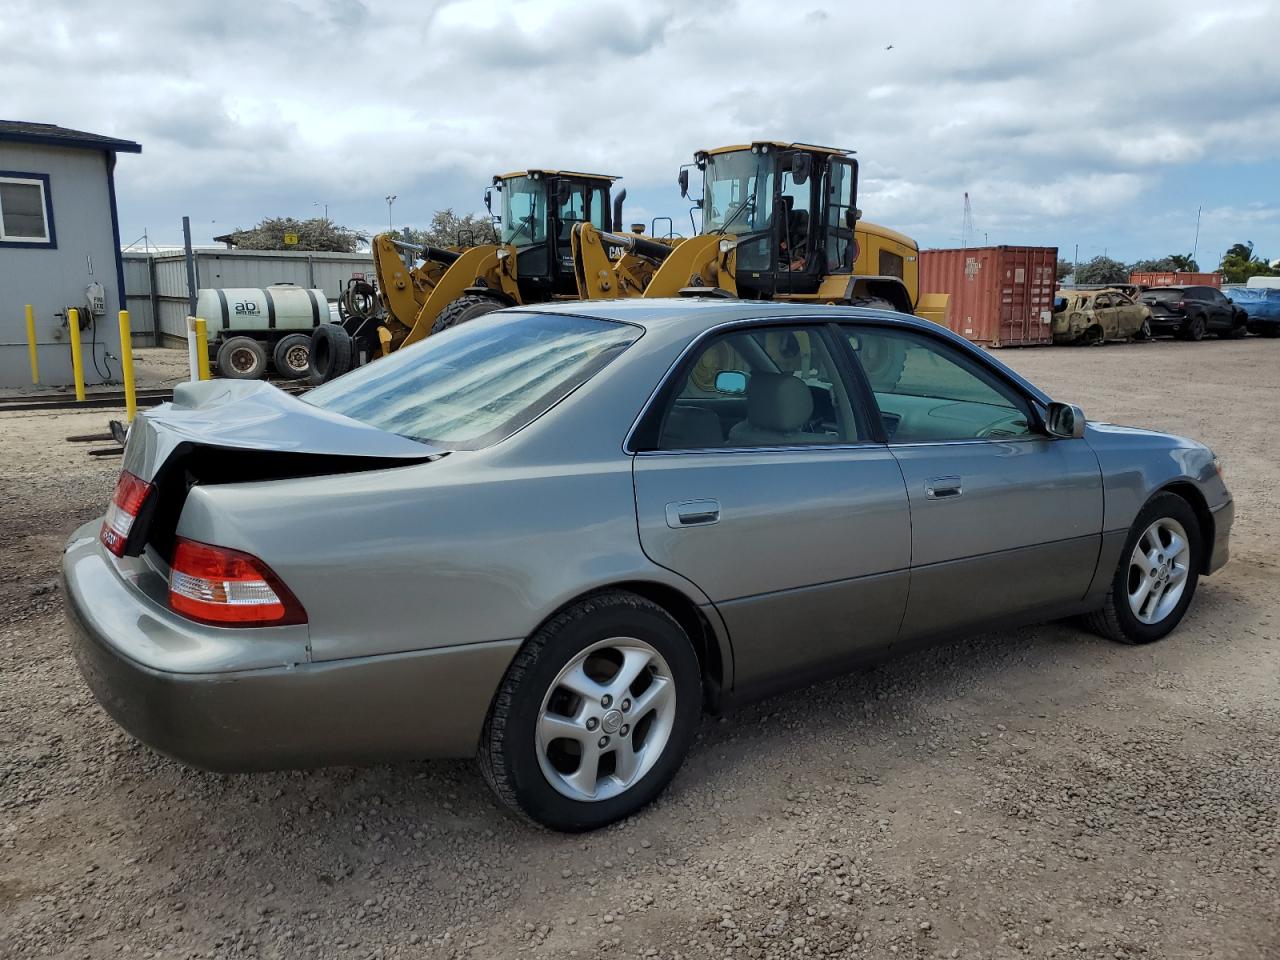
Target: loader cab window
x=795 y=247
x=738 y=200
x=572 y=210
x=598 y=209
x=839 y=217
x=524 y=211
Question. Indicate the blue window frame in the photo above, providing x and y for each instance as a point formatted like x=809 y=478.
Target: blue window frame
x=26 y=210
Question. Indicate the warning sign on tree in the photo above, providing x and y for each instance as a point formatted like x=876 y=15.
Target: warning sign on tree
x=290 y=239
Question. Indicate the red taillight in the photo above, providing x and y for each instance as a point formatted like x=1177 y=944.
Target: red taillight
x=228 y=588
x=131 y=493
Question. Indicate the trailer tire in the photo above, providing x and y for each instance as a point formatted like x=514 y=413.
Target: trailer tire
x=292 y=356
x=331 y=352
x=464 y=309
x=242 y=358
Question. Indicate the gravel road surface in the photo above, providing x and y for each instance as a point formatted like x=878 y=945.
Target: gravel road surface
x=1034 y=793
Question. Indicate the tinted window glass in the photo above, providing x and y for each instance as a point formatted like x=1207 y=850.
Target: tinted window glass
x=839 y=216
x=890 y=264
x=1163 y=295
x=22 y=210
x=761 y=388
x=472 y=385
x=928 y=391
x=524 y=211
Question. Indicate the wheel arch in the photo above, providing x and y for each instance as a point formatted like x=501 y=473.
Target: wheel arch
x=1189 y=492
x=708 y=643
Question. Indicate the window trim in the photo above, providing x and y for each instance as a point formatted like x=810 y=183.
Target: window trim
x=50 y=240
x=660 y=398
x=1038 y=430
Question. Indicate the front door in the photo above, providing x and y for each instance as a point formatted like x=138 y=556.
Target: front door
x=764 y=487
x=1004 y=520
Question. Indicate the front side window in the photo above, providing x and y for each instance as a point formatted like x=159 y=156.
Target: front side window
x=477 y=383
x=928 y=391
x=765 y=387
x=572 y=210
x=600 y=208
x=524 y=211
x=24 y=212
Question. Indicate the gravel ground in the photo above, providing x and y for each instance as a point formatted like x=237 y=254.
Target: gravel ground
x=1032 y=793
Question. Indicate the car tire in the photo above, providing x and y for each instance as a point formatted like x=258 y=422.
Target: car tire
x=544 y=779
x=332 y=352
x=292 y=356
x=464 y=309
x=1143 y=332
x=242 y=358
x=1130 y=615
x=1194 y=329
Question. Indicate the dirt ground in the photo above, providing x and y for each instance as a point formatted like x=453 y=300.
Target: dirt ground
x=1037 y=793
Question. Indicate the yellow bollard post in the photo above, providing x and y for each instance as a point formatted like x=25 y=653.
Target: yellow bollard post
x=202 y=347
x=77 y=361
x=31 y=344
x=126 y=364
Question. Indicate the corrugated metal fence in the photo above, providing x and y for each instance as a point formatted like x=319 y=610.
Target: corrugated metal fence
x=156 y=283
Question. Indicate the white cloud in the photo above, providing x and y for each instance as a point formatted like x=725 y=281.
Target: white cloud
x=1061 y=120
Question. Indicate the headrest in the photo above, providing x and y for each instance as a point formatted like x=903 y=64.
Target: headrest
x=778 y=401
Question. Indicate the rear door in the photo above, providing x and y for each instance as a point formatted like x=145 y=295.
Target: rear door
x=1004 y=519
x=761 y=481
x=1104 y=314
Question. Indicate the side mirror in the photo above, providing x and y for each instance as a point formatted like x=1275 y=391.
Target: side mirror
x=683 y=180
x=563 y=189
x=733 y=382
x=801 y=167
x=1230 y=300
x=1065 y=421
x=488 y=199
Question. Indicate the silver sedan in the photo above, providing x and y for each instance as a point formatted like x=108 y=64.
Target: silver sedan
x=553 y=537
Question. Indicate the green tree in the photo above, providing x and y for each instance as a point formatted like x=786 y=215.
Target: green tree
x=1239 y=264
x=1102 y=270
x=447 y=229
x=1065 y=267
x=320 y=234
x=1175 y=262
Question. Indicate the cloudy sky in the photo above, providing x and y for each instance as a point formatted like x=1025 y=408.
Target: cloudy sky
x=1102 y=124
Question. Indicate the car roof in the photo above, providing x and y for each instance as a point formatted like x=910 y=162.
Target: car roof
x=695 y=314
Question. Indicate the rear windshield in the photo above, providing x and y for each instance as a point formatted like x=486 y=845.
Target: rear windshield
x=1164 y=295
x=475 y=384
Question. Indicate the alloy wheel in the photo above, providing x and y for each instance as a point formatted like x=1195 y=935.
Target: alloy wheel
x=605 y=719
x=1158 y=569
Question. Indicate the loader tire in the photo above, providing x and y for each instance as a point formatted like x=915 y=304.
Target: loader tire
x=464 y=309
x=332 y=352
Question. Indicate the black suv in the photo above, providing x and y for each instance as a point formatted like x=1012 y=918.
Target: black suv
x=1191 y=312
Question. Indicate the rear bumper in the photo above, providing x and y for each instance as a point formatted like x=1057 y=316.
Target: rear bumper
x=401 y=706
x=1223 y=516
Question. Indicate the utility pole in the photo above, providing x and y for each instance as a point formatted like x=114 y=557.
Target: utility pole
x=1196 y=244
x=317 y=203
x=391 y=198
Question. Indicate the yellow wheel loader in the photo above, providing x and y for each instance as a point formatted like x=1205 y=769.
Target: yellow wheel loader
x=779 y=222
x=423 y=290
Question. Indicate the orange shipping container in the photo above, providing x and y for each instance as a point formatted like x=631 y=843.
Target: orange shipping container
x=1000 y=296
x=1173 y=279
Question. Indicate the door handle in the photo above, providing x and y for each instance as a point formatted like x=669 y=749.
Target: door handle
x=692 y=513
x=943 y=488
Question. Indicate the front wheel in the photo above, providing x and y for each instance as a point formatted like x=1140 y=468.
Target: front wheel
x=595 y=714
x=242 y=358
x=1157 y=574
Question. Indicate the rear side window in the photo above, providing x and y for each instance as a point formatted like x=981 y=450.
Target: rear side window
x=475 y=384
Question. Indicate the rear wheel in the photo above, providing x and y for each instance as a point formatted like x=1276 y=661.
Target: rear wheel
x=1157 y=574
x=292 y=356
x=595 y=714
x=1144 y=331
x=242 y=358
x=332 y=352
x=1194 y=328
x=464 y=309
